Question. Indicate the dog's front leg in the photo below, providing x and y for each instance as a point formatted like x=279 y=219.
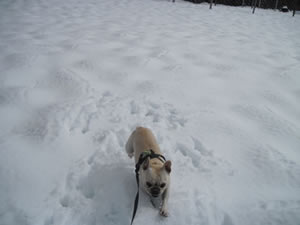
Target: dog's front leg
x=164 y=208
x=152 y=202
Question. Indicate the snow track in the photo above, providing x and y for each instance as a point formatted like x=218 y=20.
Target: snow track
x=219 y=88
x=101 y=185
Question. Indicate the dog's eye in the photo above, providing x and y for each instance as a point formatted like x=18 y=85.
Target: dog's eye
x=148 y=184
x=163 y=185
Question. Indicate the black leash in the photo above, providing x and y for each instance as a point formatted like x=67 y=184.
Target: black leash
x=142 y=158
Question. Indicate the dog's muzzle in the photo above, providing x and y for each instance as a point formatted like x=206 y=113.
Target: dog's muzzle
x=155 y=191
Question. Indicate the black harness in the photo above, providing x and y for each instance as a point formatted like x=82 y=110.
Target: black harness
x=151 y=154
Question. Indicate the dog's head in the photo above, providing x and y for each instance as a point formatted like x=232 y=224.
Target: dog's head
x=155 y=177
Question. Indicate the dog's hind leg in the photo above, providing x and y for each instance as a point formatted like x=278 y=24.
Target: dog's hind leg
x=129 y=145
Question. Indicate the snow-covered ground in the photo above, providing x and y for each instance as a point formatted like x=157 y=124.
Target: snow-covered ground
x=219 y=88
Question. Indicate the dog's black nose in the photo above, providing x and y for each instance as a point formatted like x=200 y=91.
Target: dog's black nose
x=155 y=191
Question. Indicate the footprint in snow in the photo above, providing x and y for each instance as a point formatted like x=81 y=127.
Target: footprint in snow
x=103 y=195
x=85 y=65
x=165 y=113
x=203 y=159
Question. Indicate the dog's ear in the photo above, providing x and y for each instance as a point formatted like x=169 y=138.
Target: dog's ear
x=167 y=166
x=146 y=164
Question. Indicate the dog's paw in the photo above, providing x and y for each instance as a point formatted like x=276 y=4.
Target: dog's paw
x=130 y=155
x=164 y=212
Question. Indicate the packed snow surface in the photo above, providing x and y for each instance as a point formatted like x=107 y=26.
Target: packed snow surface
x=219 y=88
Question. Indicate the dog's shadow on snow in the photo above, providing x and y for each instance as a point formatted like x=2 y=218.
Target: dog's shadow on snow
x=111 y=191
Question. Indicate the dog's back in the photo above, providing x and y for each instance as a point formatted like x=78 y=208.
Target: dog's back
x=142 y=139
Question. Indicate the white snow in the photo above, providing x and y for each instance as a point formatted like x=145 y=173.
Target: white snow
x=219 y=88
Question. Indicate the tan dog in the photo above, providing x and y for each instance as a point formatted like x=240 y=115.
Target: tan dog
x=154 y=174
